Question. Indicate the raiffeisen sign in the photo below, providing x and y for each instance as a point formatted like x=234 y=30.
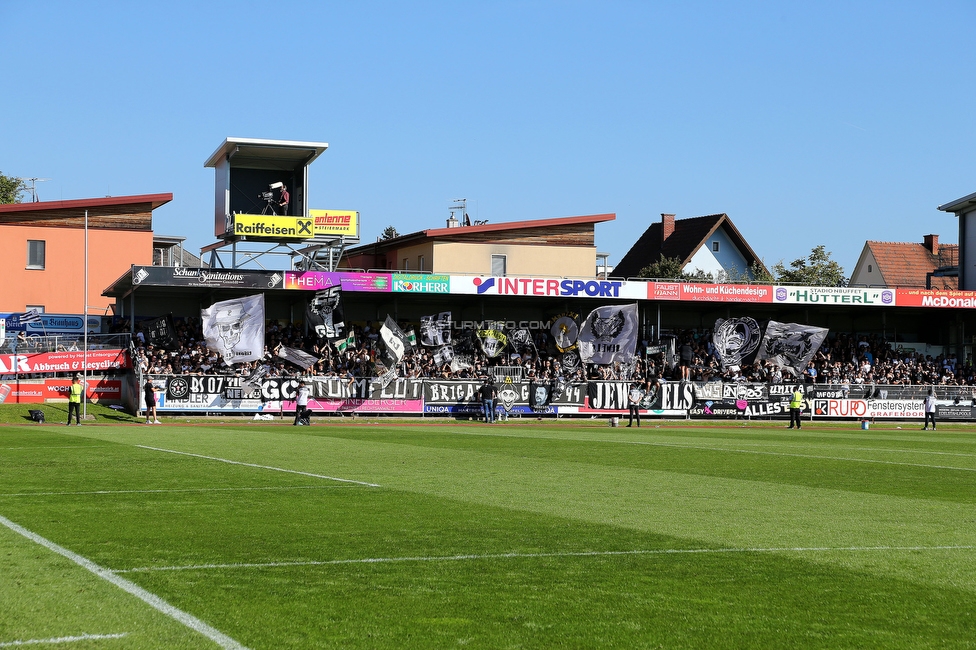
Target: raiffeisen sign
x=552 y=287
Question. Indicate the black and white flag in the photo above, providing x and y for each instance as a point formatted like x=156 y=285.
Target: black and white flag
x=443 y=354
x=395 y=343
x=609 y=334
x=235 y=328
x=435 y=330
x=324 y=313
x=736 y=340
x=160 y=331
x=790 y=345
x=300 y=358
x=30 y=316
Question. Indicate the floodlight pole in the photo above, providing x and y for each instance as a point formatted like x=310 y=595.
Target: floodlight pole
x=84 y=364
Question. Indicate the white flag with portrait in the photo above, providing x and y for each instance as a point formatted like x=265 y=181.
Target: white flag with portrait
x=235 y=328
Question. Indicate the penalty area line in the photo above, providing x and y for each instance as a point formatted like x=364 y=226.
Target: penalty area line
x=132 y=588
x=275 y=469
x=568 y=554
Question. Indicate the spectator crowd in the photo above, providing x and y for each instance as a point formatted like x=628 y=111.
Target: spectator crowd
x=843 y=359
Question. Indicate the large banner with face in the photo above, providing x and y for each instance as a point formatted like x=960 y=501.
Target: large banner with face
x=235 y=328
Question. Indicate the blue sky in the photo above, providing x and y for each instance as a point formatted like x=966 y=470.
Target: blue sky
x=807 y=123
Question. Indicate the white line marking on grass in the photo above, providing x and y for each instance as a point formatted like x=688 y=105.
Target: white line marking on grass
x=46 y=447
x=147 y=597
x=276 y=469
x=177 y=490
x=62 y=639
x=506 y=556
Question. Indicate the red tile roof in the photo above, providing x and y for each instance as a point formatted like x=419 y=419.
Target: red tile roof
x=907 y=264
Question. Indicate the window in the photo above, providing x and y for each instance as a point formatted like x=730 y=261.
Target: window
x=869 y=268
x=35 y=254
x=406 y=264
x=498 y=264
x=714 y=246
x=421 y=266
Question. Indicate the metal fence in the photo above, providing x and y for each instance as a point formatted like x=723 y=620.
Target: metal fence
x=11 y=344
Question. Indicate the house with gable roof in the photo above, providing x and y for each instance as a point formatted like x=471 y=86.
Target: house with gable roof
x=710 y=243
x=563 y=246
x=926 y=265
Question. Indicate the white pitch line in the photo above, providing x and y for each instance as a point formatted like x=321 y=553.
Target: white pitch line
x=45 y=448
x=507 y=556
x=147 y=597
x=61 y=639
x=276 y=469
x=167 y=491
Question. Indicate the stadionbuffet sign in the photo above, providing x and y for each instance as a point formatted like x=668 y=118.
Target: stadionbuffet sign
x=545 y=287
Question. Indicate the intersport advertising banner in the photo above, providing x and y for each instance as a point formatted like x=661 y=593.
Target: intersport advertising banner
x=547 y=287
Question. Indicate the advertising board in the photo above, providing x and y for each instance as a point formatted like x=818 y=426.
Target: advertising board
x=697 y=292
x=74 y=361
x=834 y=296
x=273 y=228
x=547 y=287
x=38 y=391
x=336 y=223
x=182 y=276
x=935 y=298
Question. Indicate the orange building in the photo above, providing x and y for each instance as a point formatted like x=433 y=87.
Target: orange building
x=42 y=250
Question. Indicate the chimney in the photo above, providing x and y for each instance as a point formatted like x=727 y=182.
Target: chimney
x=931 y=242
x=667 y=226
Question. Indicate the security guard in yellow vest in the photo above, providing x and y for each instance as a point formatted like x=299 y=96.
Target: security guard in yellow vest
x=74 y=401
x=796 y=405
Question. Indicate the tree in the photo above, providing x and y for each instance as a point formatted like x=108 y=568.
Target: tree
x=755 y=273
x=816 y=270
x=666 y=268
x=11 y=188
x=389 y=233
x=669 y=268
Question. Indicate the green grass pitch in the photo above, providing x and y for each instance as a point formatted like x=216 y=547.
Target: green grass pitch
x=443 y=534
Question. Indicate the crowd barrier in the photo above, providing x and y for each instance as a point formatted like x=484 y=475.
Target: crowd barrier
x=433 y=397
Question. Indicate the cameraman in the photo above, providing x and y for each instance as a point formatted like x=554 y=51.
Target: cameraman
x=283 y=200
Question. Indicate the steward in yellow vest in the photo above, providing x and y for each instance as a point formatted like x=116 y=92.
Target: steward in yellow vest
x=74 y=400
x=796 y=405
